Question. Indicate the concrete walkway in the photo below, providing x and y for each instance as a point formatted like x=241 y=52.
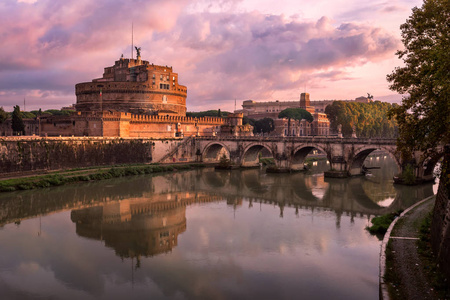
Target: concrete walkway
x=410 y=281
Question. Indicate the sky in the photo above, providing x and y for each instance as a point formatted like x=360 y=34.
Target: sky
x=224 y=51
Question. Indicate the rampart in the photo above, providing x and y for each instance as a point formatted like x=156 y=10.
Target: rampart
x=34 y=153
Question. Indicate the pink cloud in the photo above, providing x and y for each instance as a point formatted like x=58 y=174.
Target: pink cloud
x=51 y=45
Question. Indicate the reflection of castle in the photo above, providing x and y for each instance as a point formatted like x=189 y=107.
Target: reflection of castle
x=140 y=226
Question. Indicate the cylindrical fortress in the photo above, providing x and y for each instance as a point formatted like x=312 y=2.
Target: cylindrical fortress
x=135 y=86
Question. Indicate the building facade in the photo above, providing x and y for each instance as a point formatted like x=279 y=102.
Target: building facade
x=283 y=127
x=135 y=86
x=271 y=109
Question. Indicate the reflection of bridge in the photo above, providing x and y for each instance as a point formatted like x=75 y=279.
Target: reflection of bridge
x=346 y=155
x=299 y=190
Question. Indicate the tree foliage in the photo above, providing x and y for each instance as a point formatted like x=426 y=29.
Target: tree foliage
x=17 y=123
x=58 y=112
x=207 y=113
x=369 y=119
x=3 y=115
x=296 y=114
x=424 y=115
x=265 y=125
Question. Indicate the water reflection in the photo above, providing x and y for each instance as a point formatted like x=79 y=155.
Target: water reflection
x=199 y=234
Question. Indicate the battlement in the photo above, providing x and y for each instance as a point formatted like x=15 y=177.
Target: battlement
x=177 y=119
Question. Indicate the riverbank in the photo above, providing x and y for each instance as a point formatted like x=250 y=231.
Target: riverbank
x=406 y=270
x=56 y=178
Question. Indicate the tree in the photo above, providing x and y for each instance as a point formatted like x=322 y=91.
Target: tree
x=424 y=114
x=17 y=123
x=3 y=115
x=369 y=119
x=296 y=114
x=265 y=125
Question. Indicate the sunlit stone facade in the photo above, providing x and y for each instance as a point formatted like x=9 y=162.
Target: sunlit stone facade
x=136 y=86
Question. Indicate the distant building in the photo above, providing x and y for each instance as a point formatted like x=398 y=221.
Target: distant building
x=271 y=109
x=260 y=110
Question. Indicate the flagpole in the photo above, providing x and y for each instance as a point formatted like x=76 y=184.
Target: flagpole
x=132 y=42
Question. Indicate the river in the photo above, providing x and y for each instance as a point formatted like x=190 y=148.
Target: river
x=200 y=234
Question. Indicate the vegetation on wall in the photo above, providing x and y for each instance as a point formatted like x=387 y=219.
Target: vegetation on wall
x=368 y=119
x=207 y=113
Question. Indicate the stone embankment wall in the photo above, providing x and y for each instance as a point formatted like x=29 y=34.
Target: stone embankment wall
x=34 y=153
x=440 y=226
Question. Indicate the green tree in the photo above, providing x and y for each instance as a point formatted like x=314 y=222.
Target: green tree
x=424 y=114
x=3 y=115
x=207 y=113
x=369 y=119
x=296 y=114
x=265 y=125
x=17 y=123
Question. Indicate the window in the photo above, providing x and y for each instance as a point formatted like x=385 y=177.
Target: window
x=153 y=76
x=173 y=78
x=160 y=77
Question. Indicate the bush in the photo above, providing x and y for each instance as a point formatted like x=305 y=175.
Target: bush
x=381 y=224
x=408 y=176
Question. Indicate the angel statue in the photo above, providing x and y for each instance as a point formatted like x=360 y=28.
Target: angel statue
x=138 y=51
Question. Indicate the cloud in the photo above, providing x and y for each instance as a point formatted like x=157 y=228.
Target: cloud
x=221 y=53
x=251 y=55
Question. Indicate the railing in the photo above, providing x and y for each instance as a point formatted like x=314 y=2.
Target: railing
x=303 y=139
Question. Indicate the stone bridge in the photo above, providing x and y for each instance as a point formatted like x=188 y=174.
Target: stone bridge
x=345 y=155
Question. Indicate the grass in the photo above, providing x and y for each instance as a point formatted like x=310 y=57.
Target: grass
x=381 y=224
x=436 y=277
x=267 y=161
x=61 y=178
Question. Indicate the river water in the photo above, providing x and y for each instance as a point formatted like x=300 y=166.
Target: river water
x=200 y=234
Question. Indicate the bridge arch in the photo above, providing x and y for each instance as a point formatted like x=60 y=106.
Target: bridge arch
x=428 y=166
x=357 y=161
x=214 y=151
x=250 y=156
x=300 y=153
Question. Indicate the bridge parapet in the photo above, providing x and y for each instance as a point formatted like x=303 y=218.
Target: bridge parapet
x=346 y=155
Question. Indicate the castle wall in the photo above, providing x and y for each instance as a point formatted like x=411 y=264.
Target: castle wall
x=133 y=85
x=130 y=97
x=31 y=154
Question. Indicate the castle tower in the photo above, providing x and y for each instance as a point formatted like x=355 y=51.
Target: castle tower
x=304 y=100
x=135 y=86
